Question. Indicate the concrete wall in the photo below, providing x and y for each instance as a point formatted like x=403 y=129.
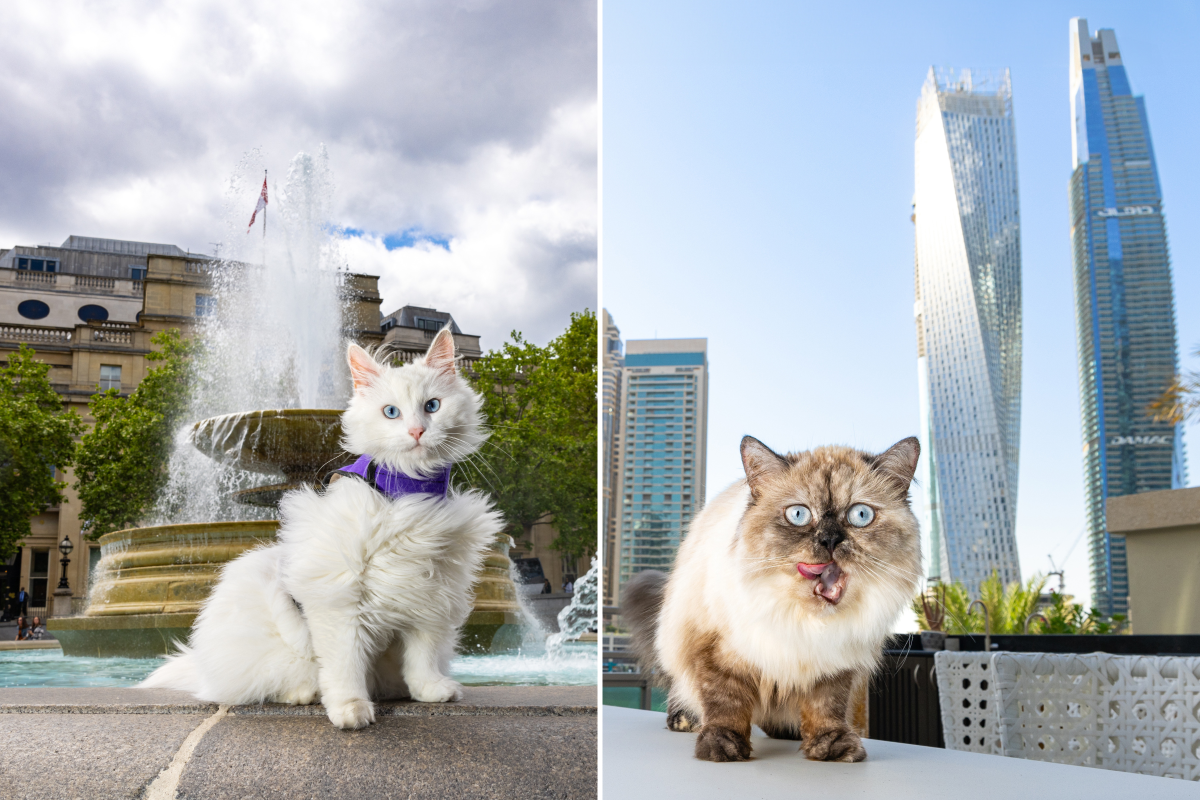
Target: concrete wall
x=1162 y=542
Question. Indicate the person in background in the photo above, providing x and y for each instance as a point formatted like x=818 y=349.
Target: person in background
x=22 y=601
x=37 y=630
x=546 y=588
x=22 y=629
x=569 y=586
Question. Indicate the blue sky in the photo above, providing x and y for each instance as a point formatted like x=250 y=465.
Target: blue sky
x=757 y=182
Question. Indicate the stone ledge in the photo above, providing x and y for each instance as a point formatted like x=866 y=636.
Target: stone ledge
x=32 y=644
x=490 y=701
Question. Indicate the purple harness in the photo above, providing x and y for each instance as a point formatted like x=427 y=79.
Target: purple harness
x=393 y=483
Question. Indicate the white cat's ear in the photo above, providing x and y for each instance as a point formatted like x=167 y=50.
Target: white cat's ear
x=441 y=352
x=363 y=369
x=899 y=462
x=759 y=461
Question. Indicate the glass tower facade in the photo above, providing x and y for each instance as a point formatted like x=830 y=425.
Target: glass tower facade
x=968 y=320
x=1124 y=305
x=661 y=450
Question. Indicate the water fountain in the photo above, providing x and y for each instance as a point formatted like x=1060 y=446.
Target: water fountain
x=276 y=342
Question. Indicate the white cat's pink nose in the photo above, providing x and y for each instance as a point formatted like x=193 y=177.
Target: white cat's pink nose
x=416 y=433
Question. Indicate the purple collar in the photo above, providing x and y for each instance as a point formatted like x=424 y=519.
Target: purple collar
x=393 y=483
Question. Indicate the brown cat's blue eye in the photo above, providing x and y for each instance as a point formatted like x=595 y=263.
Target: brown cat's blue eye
x=391 y=412
x=860 y=515
x=798 y=515
x=433 y=405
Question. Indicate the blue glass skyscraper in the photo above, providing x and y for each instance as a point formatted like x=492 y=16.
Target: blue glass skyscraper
x=968 y=319
x=1124 y=304
x=660 y=451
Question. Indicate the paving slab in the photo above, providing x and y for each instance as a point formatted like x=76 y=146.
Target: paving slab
x=74 y=756
x=500 y=741
x=397 y=757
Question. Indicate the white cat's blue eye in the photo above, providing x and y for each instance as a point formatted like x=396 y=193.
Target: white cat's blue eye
x=860 y=515
x=433 y=405
x=391 y=412
x=798 y=515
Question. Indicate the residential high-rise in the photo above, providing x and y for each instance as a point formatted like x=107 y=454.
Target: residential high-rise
x=968 y=320
x=661 y=453
x=610 y=433
x=1124 y=306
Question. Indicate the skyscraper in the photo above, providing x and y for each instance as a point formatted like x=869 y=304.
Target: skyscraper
x=610 y=432
x=968 y=319
x=661 y=450
x=1124 y=306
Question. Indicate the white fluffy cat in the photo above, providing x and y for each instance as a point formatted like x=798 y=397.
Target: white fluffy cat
x=364 y=592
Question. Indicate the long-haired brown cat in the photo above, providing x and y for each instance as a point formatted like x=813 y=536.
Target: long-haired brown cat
x=781 y=598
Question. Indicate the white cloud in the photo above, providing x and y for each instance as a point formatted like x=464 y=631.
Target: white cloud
x=472 y=120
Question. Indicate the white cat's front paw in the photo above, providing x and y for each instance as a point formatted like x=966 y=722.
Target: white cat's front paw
x=299 y=697
x=351 y=715
x=442 y=690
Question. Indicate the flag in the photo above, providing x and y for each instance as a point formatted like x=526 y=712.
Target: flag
x=262 y=206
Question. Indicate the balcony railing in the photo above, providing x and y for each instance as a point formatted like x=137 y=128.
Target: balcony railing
x=34 y=333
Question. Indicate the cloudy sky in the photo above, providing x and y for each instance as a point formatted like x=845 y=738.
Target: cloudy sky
x=462 y=136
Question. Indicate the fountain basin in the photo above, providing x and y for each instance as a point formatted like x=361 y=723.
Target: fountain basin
x=151 y=582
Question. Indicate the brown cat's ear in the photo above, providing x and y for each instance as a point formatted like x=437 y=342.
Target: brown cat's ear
x=759 y=461
x=363 y=368
x=441 y=352
x=899 y=462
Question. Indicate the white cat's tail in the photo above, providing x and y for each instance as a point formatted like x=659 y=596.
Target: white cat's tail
x=178 y=673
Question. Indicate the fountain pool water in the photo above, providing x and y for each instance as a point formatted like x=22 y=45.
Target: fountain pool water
x=575 y=665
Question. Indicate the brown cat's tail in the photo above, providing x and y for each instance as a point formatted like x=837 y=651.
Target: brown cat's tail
x=641 y=601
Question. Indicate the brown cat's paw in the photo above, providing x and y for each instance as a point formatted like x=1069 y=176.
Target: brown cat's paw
x=781 y=731
x=835 y=745
x=681 y=721
x=721 y=744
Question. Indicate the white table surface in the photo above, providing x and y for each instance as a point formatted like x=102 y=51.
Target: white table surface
x=642 y=759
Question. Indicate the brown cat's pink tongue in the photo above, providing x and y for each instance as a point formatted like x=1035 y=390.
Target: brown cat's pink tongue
x=828 y=577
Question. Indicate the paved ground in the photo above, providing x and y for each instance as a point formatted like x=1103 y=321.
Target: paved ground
x=518 y=742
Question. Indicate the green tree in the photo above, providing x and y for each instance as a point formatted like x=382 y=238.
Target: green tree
x=122 y=462
x=540 y=403
x=36 y=435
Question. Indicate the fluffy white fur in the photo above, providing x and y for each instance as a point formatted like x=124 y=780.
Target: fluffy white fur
x=710 y=582
x=383 y=585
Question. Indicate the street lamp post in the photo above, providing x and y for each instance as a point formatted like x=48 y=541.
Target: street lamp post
x=62 y=595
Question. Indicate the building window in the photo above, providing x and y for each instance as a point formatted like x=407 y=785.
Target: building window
x=39 y=577
x=137 y=273
x=38 y=264
x=110 y=377
x=206 y=305
x=33 y=309
x=92 y=312
x=429 y=324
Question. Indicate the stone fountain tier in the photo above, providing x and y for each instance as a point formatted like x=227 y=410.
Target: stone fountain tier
x=151 y=583
x=302 y=443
